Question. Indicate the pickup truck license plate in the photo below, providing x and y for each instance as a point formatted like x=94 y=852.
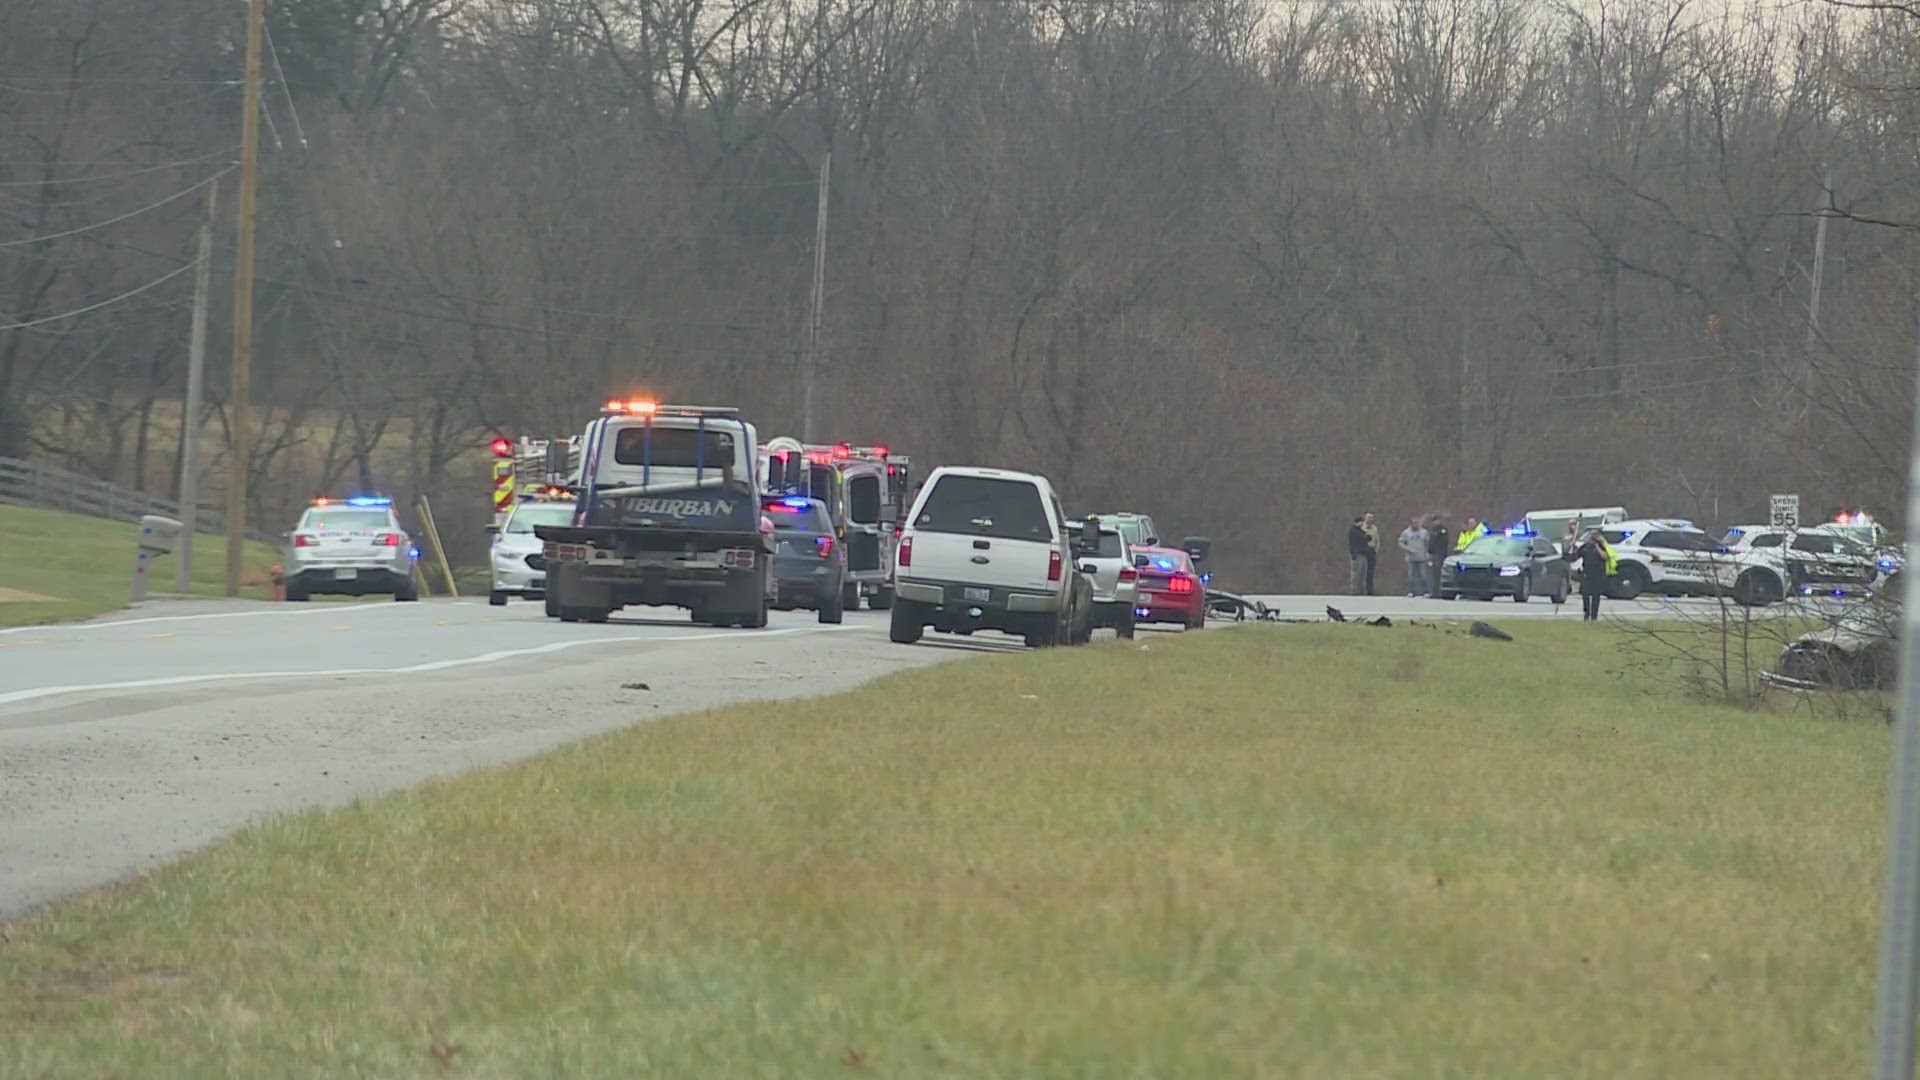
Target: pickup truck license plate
x=976 y=596
x=345 y=573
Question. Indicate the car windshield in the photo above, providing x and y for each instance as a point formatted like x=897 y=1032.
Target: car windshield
x=810 y=518
x=346 y=519
x=1168 y=562
x=985 y=506
x=1500 y=547
x=525 y=518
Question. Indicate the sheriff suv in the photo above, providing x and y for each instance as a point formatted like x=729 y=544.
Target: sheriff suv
x=989 y=549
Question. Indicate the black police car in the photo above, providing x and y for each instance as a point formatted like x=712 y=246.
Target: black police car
x=810 y=562
x=1513 y=563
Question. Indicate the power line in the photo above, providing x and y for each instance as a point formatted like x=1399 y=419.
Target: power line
x=128 y=295
x=142 y=171
x=118 y=219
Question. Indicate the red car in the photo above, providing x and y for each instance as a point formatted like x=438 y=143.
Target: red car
x=1170 y=589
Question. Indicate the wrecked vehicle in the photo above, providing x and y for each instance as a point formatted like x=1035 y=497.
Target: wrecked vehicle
x=1856 y=651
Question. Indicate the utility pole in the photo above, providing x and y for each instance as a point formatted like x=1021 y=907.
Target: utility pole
x=243 y=303
x=190 y=413
x=812 y=366
x=1893 y=1057
x=1819 y=260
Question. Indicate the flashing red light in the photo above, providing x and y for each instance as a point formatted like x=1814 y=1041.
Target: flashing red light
x=502 y=448
x=825 y=546
x=905 y=556
x=1053 y=566
x=841 y=450
x=301 y=540
x=387 y=540
x=879 y=451
x=1180 y=585
x=322 y=501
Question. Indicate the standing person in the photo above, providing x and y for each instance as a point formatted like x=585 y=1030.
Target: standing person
x=1413 y=544
x=1438 y=546
x=1373 y=547
x=1357 y=556
x=1469 y=532
x=1596 y=570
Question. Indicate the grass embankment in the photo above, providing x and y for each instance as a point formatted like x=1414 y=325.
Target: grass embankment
x=56 y=566
x=1327 y=851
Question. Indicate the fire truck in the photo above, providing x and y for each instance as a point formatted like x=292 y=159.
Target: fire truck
x=865 y=490
x=530 y=467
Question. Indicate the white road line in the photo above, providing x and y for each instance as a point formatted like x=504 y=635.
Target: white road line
x=113 y=624
x=37 y=692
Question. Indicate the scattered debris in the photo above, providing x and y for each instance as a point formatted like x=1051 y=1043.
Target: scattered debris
x=635 y=686
x=1494 y=633
x=1335 y=614
x=1381 y=621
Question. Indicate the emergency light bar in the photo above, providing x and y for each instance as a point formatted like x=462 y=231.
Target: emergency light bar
x=642 y=407
x=369 y=500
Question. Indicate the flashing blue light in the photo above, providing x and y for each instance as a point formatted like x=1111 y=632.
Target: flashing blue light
x=1886 y=564
x=369 y=500
x=1206 y=579
x=1521 y=530
x=1166 y=564
x=414 y=552
x=796 y=502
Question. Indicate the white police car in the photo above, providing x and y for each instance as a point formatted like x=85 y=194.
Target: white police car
x=518 y=558
x=350 y=547
x=1815 y=561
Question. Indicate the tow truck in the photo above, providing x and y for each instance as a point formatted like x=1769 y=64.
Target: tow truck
x=667 y=514
x=863 y=489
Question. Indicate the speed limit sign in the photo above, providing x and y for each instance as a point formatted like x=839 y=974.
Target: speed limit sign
x=1786 y=511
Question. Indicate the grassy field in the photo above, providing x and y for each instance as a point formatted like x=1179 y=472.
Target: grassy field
x=72 y=567
x=1331 y=851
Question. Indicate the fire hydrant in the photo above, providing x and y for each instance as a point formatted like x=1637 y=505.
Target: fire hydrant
x=278 y=580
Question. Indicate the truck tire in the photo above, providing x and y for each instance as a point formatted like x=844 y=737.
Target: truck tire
x=831 y=611
x=905 y=627
x=754 y=620
x=552 y=606
x=408 y=592
x=882 y=598
x=850 y=596
x=496 y=598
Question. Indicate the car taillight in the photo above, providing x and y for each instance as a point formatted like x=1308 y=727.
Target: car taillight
x=1128 y=573
x=303 y=540
x=1180 y=584
x=1053 y=566
x=387 y=540
x=825 y=546
x=905 y=557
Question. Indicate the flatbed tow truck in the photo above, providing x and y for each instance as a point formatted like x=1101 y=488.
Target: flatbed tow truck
x=668 y=514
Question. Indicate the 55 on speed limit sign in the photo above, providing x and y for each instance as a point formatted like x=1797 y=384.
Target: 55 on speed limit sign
x=1786 y=511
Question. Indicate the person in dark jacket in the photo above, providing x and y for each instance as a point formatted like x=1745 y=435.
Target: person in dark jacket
x=1358 y=550
x=1596 y=567
x=1439 y=546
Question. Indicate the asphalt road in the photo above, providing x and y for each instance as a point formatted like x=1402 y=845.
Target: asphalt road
x=130 y=740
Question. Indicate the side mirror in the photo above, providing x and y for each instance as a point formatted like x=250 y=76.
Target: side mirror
x=1139 y=562
x=1090 y=535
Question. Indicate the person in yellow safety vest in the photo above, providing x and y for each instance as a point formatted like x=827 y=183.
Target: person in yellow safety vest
x=1597 y=565
x=1473 y=530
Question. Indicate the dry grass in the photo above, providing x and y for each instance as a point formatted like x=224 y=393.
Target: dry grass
x=1328 y=852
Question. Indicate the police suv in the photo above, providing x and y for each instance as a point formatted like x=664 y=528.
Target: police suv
x=350 y=547
x=1805 y=562
x=1674 y=557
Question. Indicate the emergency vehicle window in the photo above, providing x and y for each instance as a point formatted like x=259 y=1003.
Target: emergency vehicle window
x=1679 y=541
x=985 y=506
x=554 y=513
x=863 y=499
x=1815 y=543
x=346 y=520
x=1614 y=536
x=1771 y=540
x=804 y=519
x=673 y=447
x=821 y=478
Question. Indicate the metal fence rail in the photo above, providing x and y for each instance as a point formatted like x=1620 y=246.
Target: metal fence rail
x=43 y=487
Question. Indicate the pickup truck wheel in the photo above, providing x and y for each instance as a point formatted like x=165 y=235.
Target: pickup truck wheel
x=905 y=627
x=850 y=596
x=552 y=606
x=496 y=598
x=882 y=599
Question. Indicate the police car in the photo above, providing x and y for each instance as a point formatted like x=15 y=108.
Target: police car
x=1805 y=562
x=518 y=557
x=1517 y=563
x=350 y=547
x=1674 y=557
